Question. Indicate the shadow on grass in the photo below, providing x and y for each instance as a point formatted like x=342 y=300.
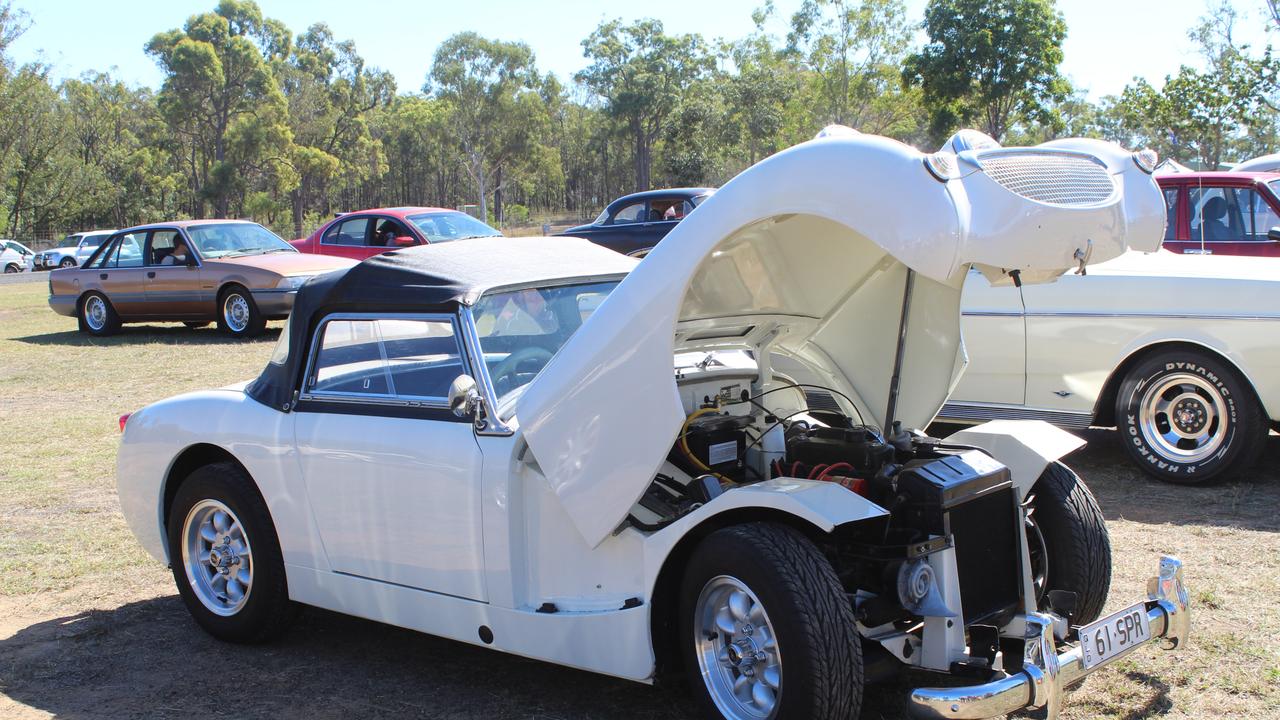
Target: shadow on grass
x=149 y=659
x=145 y=335
x=1159 y=702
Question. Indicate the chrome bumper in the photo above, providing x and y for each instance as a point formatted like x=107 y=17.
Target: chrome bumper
x=1045 y=673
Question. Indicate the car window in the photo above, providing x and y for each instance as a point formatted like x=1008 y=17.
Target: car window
x=632 y=213
x=127 y=251
x=385 y=232
x=446 y=226
x=1171 y=196
x=70 y=241
x=669 y=209
x=1228 y=214
x=347 y=232
x=162 y=242
x=520 y=330
x=91 y=241
x=387 y=358
x=103 y=256
x=235 y=239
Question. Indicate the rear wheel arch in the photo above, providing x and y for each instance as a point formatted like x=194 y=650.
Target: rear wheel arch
x=1104 y=408
x=664 y=596
x=187 y=462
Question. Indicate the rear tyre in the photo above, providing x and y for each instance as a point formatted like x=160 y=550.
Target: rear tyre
x=1070 y=545
x=752 y=595
x=11 y=269
x=238 y=314
x=226 y=558
x=1187 y=417
x=96 y=316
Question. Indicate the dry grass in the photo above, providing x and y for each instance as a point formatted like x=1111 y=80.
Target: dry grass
x=90 y=626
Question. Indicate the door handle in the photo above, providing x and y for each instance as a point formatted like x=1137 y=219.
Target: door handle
x=102 y=276
x=151 y=274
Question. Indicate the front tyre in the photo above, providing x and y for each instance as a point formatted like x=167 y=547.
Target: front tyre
x=67 y=263
x=238 y=314
x=1187 y=417
x=1070 y=545
x=753 y=595
x=10 y=269
x=225 y=557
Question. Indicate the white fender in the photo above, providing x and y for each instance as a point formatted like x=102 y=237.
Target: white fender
x=1026 y=447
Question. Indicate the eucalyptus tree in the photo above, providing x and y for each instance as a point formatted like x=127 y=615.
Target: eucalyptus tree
x=990 y=61
x=489 y=86
x=641 y=73
x=220 y=99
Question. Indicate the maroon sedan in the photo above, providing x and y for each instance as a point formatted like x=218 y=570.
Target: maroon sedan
x=1222 y=213
x=366 y=233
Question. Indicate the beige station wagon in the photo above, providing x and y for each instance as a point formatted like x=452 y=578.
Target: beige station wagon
x=234 y=272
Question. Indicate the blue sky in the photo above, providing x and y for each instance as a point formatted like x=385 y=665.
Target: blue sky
x=1109 y=41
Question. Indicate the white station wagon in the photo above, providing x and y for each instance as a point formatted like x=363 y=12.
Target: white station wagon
x=539 y=446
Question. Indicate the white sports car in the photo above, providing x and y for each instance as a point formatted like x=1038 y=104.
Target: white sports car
x=1176 y=351
x=538 y=446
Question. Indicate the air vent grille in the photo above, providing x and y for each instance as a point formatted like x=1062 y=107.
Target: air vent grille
x=1069 y=180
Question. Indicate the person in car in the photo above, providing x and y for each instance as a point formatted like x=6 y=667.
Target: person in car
x=179 y=255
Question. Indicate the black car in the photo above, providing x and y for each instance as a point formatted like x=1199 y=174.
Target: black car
x=634 y=223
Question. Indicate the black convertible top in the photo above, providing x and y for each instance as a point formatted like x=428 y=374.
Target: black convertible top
x=429 y=278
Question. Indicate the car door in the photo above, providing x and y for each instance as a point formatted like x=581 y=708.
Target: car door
x=121 y=274
x=625 y=230
x=1231 y=217
x=994 y=330
x=393 y=477
x=175 y=290
x=348 y=237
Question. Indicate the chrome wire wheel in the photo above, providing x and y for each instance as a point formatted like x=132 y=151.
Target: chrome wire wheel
x=95 y=312
x=737 y=650
x=235 y=312
x=1183 y=417
x=217 y=557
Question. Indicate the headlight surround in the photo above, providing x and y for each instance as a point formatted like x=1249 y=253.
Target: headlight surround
x=292 y=282
x=942 y=166
x=1146 y=159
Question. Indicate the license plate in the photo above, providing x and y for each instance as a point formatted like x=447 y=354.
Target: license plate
x=1114 y=634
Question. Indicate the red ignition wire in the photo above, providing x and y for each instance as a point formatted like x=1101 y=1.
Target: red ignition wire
x=817 y=468
x=831 y=468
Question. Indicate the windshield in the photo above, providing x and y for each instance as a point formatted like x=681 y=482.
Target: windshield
x=235 y=240
x=69 y=241
x=446 y=226
x=521 y=330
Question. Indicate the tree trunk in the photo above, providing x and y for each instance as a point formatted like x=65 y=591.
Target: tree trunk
x=642 y=155
x=497 y=197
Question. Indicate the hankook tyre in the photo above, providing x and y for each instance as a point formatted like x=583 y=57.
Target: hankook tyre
x=238 y=314
x=96 y=316
x=67 y=263
x=1187 y=417
x=226 y=558
x=1067 y=528
x=757 y=594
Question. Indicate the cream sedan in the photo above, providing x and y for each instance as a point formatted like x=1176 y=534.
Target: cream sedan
x=1181 y=353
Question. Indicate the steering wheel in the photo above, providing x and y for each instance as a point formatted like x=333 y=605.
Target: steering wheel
x=506 y=371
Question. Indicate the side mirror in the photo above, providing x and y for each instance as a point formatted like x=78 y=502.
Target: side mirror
x=464 y=398
x=405 y=241
x=1274 y=234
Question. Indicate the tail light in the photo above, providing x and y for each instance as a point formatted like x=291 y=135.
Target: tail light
x=123 y=420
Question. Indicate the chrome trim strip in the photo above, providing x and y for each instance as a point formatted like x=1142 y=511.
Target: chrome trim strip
x=492 y=424
x=1100 y=314
x=981 y=412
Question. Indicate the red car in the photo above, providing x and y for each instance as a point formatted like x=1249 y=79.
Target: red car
x=366 y=233
x=1222 y=213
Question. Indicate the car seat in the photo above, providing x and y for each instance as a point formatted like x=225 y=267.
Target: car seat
x=1211 y=223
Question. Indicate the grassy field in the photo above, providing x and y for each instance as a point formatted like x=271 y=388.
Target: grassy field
x=90 y=626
